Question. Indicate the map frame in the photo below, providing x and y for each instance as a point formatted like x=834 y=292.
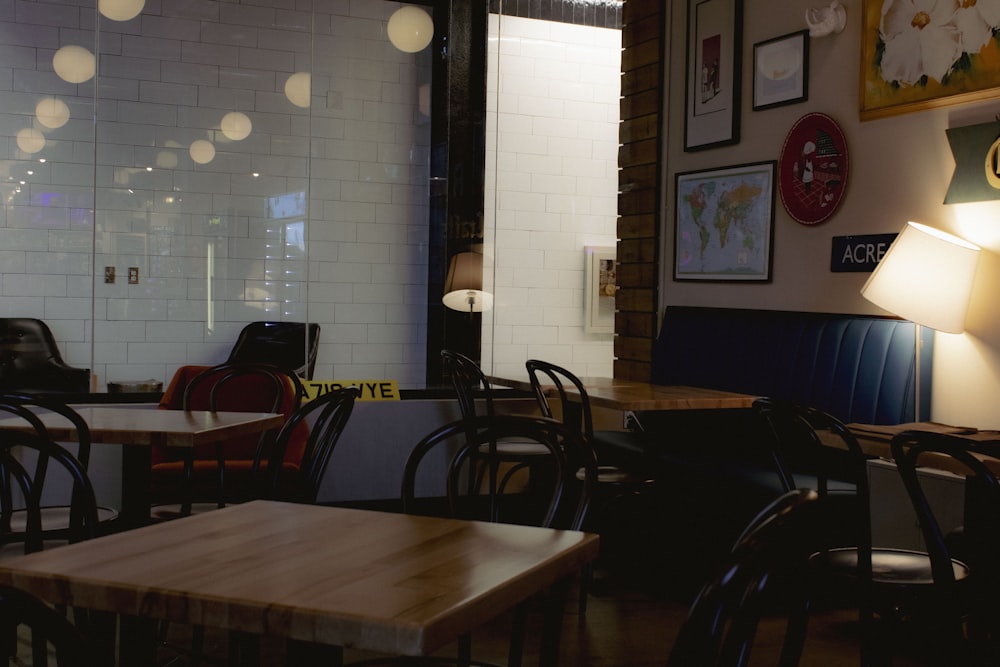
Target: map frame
x=756 y=227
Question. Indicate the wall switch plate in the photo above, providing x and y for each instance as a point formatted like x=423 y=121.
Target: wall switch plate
x=133 y=275
x=109 y=274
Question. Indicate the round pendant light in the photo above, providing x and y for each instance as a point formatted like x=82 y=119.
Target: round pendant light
x=120 y=10
x=298 y=89
x=202 y=151
x=30 y=140
x=52 y=112
x=236 y=126
x=410 y=29
x=74 y=64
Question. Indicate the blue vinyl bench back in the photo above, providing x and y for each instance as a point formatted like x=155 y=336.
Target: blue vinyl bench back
x=859 y=368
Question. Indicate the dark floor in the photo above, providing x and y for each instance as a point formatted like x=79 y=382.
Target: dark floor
x=624 y=627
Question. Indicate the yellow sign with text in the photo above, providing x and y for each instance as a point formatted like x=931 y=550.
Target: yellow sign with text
x=371 y=390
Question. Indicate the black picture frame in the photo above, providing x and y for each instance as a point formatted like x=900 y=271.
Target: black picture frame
x=713 y=74
x=743 y=249
x=781 y=71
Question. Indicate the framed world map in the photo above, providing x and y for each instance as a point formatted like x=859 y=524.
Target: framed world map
x=724 y=223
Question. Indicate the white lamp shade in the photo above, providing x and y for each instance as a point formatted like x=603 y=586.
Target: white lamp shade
x=410 y=29
x=30 y=140
x=74 y=64
x=202 y=151
x=298 y=89
x=52 y=112
x=926 y=276
x=120 y=10
x=463 y=288
x=236 y=126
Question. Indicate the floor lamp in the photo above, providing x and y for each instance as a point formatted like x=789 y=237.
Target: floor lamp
x=926 y=277
x=463 y=288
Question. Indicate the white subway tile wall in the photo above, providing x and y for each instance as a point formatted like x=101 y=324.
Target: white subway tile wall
x=551 y=189
x=320 y=214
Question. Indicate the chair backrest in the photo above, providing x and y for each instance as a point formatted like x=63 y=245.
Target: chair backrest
x=981 y=532
x=28 y=477
x=467 y=378
x=449 y=448
x=326 y=416
x=289 y=345
x=247 y=388
x=766 y=568
x=813 y=443
x=30 y=359
x=576 y=413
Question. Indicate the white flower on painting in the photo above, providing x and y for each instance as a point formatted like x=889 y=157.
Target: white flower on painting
x=976 y=20
x=920 y=39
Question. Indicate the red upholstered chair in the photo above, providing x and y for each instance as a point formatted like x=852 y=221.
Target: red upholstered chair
x=232 y=471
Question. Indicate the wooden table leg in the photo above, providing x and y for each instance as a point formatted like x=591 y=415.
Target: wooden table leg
x=554 y=606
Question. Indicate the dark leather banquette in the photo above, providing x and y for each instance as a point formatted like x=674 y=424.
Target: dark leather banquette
x=714 y=466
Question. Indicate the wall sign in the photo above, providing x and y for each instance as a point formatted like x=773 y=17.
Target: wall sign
x=859 y=253
x=371 y=390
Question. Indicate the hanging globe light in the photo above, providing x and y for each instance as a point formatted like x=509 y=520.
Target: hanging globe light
x=410 y=29
x=30 y=140
x=202 y=151
x=298 y=89
x=120 y=10
x=74 y=64
x=236 y=126
x=52 y=112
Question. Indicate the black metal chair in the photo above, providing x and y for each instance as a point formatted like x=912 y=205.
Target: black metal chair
x=764 y=573
x=57 y=522
x=566 y=503
x=51 y=629
x=612 y=482
x=242 y=387
x=468 y=379
x=959 y=612
x=289 y=345
x=814 y=449
x=325 y=418
x=27 y=459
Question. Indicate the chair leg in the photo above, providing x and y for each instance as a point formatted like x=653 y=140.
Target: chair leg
x=586 y=578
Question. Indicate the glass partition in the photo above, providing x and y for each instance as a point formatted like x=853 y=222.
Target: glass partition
x=172 y=175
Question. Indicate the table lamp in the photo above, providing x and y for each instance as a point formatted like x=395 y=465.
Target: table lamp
x=925 y=277
x=463 y=288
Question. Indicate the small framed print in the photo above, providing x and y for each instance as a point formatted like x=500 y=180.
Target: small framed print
x=712 y=104
x=781 y=71
x=599 y=293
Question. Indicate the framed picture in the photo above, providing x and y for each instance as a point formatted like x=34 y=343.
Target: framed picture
x=599 y=291
x=724 y=223
x=813 y=169
x=901 y=72
x=781 y=71
x=714 y=40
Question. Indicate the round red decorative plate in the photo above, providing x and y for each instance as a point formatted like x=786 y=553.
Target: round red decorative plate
x=812 y=171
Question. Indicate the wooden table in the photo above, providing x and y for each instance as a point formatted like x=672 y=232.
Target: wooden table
x=353 y=578
x=619 y=394
x=140 y=428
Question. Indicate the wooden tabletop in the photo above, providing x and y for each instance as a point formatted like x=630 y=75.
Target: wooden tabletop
x=138 y=428
x=374 y=580
x=149 y=426
x=619 y=394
